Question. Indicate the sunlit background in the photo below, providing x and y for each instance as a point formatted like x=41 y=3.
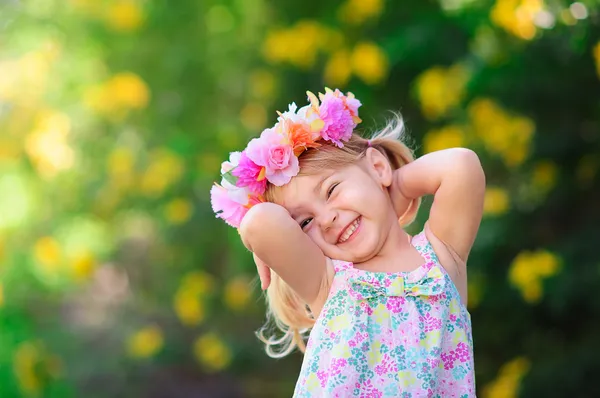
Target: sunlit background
x=116 y=280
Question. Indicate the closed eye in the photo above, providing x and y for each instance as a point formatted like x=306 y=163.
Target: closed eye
x=331 y=190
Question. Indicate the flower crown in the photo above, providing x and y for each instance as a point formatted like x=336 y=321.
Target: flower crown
x=273 y=157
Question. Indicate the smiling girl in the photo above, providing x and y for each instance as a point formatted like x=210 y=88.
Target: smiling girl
x=323 y=211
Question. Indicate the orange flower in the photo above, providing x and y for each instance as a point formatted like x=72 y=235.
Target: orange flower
x=301 y=136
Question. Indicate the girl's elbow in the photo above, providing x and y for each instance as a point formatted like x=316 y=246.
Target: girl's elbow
x=466 y=156
x=467 y=159
x=259 y=222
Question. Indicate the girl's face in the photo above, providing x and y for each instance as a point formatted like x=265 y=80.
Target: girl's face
x=346 y=212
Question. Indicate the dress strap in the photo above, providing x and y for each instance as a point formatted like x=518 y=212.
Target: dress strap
x=422 y=244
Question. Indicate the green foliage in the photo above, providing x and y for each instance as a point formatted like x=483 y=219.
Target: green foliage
x=115 y=278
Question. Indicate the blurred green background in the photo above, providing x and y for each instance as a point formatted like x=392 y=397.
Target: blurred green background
x=116 y=280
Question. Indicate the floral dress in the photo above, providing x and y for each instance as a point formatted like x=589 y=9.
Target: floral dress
x=404 y=334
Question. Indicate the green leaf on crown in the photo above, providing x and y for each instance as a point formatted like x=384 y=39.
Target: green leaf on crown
x=230 y=178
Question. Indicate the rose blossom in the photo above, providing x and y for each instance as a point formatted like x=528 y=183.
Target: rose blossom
x=274 y=152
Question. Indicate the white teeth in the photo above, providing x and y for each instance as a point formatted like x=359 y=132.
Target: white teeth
x=349 y=231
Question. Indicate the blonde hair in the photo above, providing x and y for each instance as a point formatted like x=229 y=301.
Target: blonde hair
x=289 y=313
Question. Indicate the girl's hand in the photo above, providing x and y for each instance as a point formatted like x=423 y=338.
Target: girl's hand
x=264 y=272
x=400 y=201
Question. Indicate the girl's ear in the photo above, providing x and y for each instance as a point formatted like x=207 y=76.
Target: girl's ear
x=379 y=166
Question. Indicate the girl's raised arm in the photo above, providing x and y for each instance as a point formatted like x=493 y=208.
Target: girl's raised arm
x=272 y=235
x=456 y=179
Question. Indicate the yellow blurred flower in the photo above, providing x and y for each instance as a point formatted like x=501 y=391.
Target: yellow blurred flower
x=164 y=170
x=508 y=380
x=124 y=15
x=118 y=96
x=496 y=201
x=48 y=253
x=33 y=366
x=189 y=308
x=47 y=145
x=212 y=352
x=23 y=81
x=441 y=89
x=532 y=292
x=544 y=175
x=120 y=167
x=276 y=45
x=547 y=263
x=253 y=116
x=25 y=361
x=188 y=301
x=263 y=84
x=596 y=53
x=501 y=133
x=129 y=90
x=517 y=16
x=338 y=69
x=178 y=211
x=356 y=12
x=529 y=268
x=145 y=343
x=447 y=137
x=297 y=45
x=370 y=63
x=237 y=293
x=83 y=266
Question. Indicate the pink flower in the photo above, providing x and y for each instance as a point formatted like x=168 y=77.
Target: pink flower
x=352 y=103
x=322 y=376
x=339 y=115
x=250 y=175
x=230 y=207
x=274 y=152
x=394 y=304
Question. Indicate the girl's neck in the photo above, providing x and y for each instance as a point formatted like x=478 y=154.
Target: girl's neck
x=396 y=255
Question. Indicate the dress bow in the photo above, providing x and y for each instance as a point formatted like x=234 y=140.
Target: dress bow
x=426 y=282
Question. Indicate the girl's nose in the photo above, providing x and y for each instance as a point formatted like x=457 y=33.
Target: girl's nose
x=328 y=219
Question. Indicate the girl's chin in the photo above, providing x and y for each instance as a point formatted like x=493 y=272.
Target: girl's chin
x=349 y=257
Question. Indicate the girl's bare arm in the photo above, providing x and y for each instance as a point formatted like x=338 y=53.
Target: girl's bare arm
x=273 y=236
x=457 y=181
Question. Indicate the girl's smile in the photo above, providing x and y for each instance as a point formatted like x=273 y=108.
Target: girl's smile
x=350 y=231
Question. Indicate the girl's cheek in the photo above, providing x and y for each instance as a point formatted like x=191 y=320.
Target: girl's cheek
x=350 y=198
